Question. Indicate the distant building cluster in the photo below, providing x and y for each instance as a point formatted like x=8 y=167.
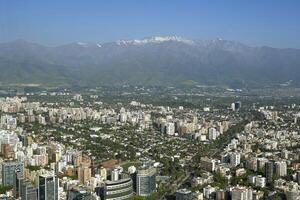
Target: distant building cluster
x=53 y=151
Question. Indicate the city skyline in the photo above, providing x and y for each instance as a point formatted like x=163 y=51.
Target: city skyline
x=150 y=100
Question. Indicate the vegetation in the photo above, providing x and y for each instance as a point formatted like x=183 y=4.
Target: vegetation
x=4 y=189
x=220 y=180
x=33 y=168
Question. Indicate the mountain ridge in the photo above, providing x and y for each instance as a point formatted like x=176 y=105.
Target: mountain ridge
x=157 y=60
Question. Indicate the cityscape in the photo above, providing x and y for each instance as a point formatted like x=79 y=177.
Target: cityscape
x=70 y=145
x=149 y=100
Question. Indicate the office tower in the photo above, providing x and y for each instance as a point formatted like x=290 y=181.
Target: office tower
x=28 y=191
x=183 y=194
x=281 y=168
x=269 y=172
x=17 y=185
x=145 y=181
x=48 y=187
x=236 y=106
x=9 y=170
x=121 y=189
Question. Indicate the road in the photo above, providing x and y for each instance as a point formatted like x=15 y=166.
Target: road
x=212 y=153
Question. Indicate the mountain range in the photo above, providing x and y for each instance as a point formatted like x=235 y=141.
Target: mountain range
x=168 y=60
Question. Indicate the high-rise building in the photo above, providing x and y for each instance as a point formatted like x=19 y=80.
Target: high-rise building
x=84 y=174
x=7 y=151
x=121 y=189
x=212 y=133
x=23 y=189
x=235 y=159
x=252 y=164
x=269 y=168
x=183 y=194
x=9 y=170
x=103 y=173
x=28 y=191
x=236 y=106
x=281 y=168
x=170 y=128
x=233 y=106
x=241 y=193
x=48 y=187
x=261 y=163
x=208 y=164
x=18 y=181
x=298 y=177
x=145 y=181
x=222 y=195
x=260 y=181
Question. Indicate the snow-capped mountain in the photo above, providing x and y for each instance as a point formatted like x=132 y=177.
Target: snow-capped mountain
x=155 y=40
x=158 y=60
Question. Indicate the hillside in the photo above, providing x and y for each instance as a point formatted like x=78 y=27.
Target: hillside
x=151 y=61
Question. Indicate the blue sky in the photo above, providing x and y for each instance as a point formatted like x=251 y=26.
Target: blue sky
x=254 y=22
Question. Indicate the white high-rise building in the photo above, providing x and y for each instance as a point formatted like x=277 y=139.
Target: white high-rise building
x=260 y=181
x=241 y=193
x=170 y=128
x=8 y=137
x=235 y=159
x=212 y=133
x=123 y=117
x=281 y=168
x=233 y=106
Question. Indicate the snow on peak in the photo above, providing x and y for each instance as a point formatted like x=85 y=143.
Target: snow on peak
x=83 y=44
x=155 y=39
x=86 y=45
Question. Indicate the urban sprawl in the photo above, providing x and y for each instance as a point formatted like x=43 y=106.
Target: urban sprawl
x=72 y=145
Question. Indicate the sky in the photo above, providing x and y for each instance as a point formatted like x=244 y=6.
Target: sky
x=273 y=23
